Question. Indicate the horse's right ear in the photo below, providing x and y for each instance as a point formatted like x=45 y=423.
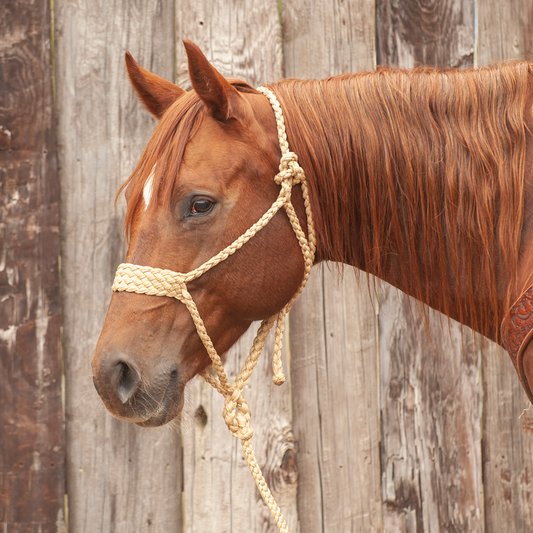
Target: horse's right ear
x=156 y=93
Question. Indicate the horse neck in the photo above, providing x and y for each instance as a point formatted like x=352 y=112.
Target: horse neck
x=394 y=191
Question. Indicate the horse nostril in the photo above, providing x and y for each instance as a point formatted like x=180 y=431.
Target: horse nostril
x=127 y=380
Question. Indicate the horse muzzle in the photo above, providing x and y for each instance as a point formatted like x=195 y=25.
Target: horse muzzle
x=129 y=393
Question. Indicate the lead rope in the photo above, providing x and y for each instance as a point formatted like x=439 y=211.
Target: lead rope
x=159 y=282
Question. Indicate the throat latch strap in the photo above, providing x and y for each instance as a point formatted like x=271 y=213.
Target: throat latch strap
x=516 y=331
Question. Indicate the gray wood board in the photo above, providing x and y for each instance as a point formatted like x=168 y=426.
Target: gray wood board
x=507 y=445
x=121 y=478
x=431 y=403
x=333 y=335
x=243 y=41
x=327 y=37
x=335 y=404
x=504 y=31
x=32 y=452
x=414 y=33
x=219 y=491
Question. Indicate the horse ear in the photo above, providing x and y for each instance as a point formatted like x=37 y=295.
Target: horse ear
x=156 y=93
x=221 y=98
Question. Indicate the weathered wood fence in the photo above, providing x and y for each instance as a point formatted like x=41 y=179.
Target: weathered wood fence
x=383 y=426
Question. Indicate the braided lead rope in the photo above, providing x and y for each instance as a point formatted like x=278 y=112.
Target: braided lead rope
x=161 y=282
x=290 y=170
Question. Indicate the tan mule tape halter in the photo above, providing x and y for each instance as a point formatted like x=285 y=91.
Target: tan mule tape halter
x=159 y=282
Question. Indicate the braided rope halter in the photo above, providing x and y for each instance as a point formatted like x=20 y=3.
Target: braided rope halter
x=159 y=282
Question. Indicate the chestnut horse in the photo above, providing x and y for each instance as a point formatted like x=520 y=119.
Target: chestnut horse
x=420 y=177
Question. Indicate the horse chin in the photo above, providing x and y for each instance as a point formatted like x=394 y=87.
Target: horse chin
x=160 y=412
x=163 y=414
x=166 y=409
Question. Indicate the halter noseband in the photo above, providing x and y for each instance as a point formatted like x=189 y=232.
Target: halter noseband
x=159 y=282
x=517 y=331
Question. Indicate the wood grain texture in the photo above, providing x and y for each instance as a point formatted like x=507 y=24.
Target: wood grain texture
x=121 y=478
x=243 y=41
x=327 y=37
x=431 y=403
x=240 y=40
x=425 y=32
x=333 y=331
x=507 y=445
x=335 y=405
x=431 y=391
x=32 y=483
x=219 y=491
x=504 y=32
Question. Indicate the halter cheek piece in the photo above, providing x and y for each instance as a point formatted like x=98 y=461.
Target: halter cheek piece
x=159 y=282
x=517 y=331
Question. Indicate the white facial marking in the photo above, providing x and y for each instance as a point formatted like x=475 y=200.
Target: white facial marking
x=148 y=188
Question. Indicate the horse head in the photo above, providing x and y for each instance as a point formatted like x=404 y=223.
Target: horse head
x=204 y=178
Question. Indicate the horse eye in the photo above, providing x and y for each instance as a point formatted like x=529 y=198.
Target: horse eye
x=201 y=206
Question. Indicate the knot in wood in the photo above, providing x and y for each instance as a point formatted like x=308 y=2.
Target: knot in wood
x=237 y=414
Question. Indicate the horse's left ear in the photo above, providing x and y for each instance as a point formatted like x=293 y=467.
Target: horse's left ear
x=221 y=98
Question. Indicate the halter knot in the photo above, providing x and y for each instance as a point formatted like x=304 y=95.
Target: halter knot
x=290 y=172
x=237 y=414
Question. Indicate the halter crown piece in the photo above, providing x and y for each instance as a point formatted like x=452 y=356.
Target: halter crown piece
x=159 y=282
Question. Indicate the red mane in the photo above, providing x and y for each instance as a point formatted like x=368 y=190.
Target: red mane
x=429 y=176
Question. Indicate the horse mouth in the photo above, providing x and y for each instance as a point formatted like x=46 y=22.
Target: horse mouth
x=168 y=409
x=168 y=406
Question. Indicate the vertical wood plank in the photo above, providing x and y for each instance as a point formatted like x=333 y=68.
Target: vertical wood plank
x=504 y=33
x=219 y=491
x=32 y=484
x=327 y=37
x=244 y=41
x=431 y=421
x=335 y=405
x=240 y=41
x=437 y=34
x=333 y=330
x=121 y=478
x=507 y=445
x=431 y=390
